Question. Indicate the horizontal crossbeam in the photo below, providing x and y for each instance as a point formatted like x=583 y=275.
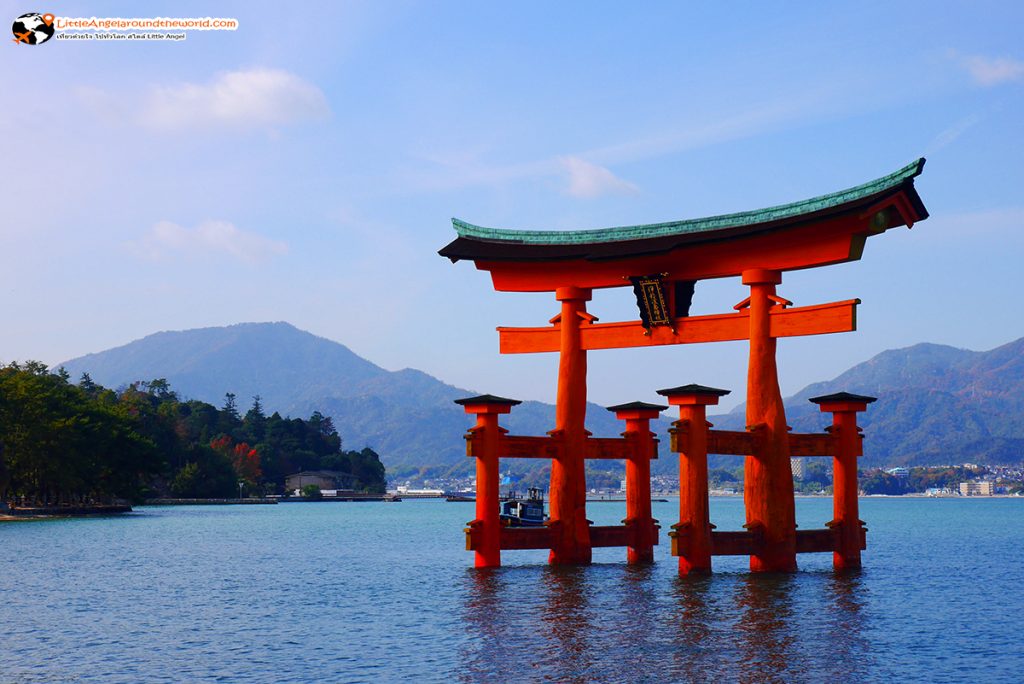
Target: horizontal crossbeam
x=736 y=443
x=818 y=319
x=749 y=542
x=729 y=543
x=521 y=538
x=816 y=541
x=528 y=447
x=801 y=444
x=607 y=536
x=726 y=442
x=723 y=442
x=511 y=446
x=609 y=448
x=733 y=443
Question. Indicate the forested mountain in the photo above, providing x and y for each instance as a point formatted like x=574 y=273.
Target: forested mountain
x=62 y=442
x=936 y=404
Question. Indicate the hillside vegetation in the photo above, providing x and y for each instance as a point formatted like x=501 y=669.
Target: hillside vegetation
x=62 y=442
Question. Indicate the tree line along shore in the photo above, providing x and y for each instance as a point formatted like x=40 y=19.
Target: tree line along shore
x=67 y=444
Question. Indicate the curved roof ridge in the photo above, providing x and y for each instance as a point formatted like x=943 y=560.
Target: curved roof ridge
x=688 y=226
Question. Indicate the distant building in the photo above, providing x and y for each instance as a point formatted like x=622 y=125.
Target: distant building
x=406 y=490
x=324 y=479
x=799 y=468
x=899 y=473
x=977 y=488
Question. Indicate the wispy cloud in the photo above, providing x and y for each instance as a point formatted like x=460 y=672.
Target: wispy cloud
x=991 y=71
x=949 y=135
x=210 y=238
x=233 y=100
x=588 y=173
x=588 y=180
x=248 y=99
x=758 y=119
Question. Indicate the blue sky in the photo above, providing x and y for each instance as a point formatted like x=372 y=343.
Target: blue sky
x=305 y=168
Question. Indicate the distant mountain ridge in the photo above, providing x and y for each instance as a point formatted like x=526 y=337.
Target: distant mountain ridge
x=937 y=404
x=407 y=416
x=287 y=367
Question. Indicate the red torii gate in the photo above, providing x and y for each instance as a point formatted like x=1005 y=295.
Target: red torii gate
x=662 y=262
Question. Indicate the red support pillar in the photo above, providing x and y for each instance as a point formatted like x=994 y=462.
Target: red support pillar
x=844 y=408
x=638 y=416
x=768 y=486
x=485 y=439
x=693 y=532
x=568 y=491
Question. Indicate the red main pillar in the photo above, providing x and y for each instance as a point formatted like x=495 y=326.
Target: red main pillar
x=568 y=492
x=693 y=532
x=768 y=478
x=638 y=416
x=485 y=439
x=844 y=408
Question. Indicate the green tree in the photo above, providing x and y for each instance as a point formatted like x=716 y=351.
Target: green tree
x=207 y=475
x=228 y=418
x=188 y=481
x=880 y=482
x=63 y=445
x=368 y=469
x=65 y=442
x=86 y=384
x=255 y=422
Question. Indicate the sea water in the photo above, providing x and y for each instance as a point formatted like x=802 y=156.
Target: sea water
x=342 y=592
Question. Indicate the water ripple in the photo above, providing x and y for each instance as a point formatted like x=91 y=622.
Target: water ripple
x=367 y=593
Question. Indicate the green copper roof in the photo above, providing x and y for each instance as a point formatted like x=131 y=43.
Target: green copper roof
x=689 y=226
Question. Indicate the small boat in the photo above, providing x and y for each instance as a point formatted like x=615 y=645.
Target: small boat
x=519 y=512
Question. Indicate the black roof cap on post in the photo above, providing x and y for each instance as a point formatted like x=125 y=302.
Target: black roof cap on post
x=638 y=406
x=487 y=399
x=693 y=389
x=842 y=396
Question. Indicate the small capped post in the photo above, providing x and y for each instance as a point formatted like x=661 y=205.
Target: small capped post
x=691 y=536
x=643 y=447
x=483 y=442
x=851 y=535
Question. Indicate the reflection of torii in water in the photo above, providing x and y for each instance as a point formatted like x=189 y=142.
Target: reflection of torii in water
x=662 y=261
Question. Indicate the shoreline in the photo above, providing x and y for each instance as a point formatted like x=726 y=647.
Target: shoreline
x=51 y=512
x=208 y=502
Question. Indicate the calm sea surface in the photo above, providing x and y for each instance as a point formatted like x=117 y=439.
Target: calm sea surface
x=382 y=592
